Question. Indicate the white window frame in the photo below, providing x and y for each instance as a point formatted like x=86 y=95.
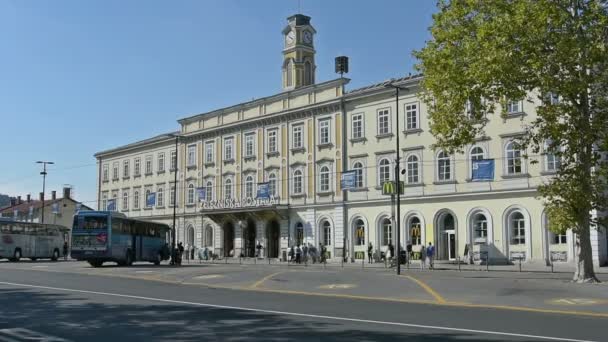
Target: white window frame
x=386 y=229
x=228 y=187
x=297 y=130
x=326 y=229
x=229 y=148
x=323 y=174
x=412 y=116
x=191 y=193
x=412 y=175
x=136 y=199
x=273 y=190
x=160 y=196
x=325 y=131
x=147 y=192
x=125 y=169
x=359 y=224
x=514 y=106
x=209 y=152
x=381 y=173
x=115 y=170
x=125 y=200
x=380 y=113
x=172 y=194
x=246 y=141
x=480 y=227
x=552 y=162
x=517 y=226
x=295 y=180
x=357 y=126
x=513 y=155
x=209 y=190
x=137 y=167
x=148 y=165
x=272 y=146
x=105 y=173
x=415 y=241
x=359 y=173
x=161 y=161
x=444 y=164
x=191 y=155
x=173 y=166
x=249 y=187
x=475 y=156
x=104 y=201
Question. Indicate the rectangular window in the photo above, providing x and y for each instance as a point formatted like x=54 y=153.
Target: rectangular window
x=161 y=162
x=115 y=170
x=137 y=167
x=357 y=123
x=383 y=122
x=297 y=136
x=249 y=145
x=125 y=169
x=104 y=201
x=191 y=156
x=148 y=165
x=173 y=160
x=324 y=132
x=172 y=196
x=160 y=199
x=106 y=173
x=411 y=116
x=209 y=148
x=560 y=239
x=272 y=141
x=228 y=149
x=513 y=107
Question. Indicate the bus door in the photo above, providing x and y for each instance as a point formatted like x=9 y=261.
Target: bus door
x=133 y=245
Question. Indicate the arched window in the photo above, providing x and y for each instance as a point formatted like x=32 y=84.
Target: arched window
x=480 y=226
x=298 y=186
x=517 y=227
x=359 y=232
x=289 y=75
x=552 y=161
x=384 y=171
x=228 y=188
x=190 y=193
x=476 y=153
x=326 y=233
x=209 y=237
x=209 y=191
x=444 y=166
x=324 y=179
x=358 y=168
x=272 y=184
x=513 y=154
x=160 y=200
x=415 y=231
x=249 y=187
x=387 y=231
x=190 y=240
x=412 y=168
x=299 y=234
x=125 y=201
x=136 y=199
x=308 y=73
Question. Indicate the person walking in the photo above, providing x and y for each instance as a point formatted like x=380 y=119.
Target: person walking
x=298 y=254
x=65 y=250
x=430 y=253
x=180 y=253
x=305 y=253
x=292 y=254
x=422 y=257
x=370 y=252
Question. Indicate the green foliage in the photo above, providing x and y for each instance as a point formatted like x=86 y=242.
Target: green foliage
x=488 y=51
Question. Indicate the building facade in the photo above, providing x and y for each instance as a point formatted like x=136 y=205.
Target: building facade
x=301 y=140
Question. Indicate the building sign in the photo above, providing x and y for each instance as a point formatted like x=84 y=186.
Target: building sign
x=483 y=170
x=202 y=193
x=263 y=191
x=349 y=180
x=232 y=203
x=389 y=188
x=111 y=205
x=150 y=199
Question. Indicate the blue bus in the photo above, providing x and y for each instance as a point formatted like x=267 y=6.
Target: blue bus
x=100 y=236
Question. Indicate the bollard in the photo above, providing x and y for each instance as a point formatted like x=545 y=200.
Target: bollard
x=240 y=261
x=268 y=261
x=519 y=264
x=363 y=263
x=458 y=260
x=551 y=261
x=487 y=265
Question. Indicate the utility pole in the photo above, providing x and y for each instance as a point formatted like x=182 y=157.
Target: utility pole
x=43 y=173
x=174 y=198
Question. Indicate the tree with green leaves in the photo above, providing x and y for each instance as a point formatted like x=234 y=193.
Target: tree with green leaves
x=552 y=52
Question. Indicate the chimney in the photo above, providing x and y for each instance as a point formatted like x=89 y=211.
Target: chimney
x=13 y=201
x=41 y=196
x=29 y=198
x=66 y=192
x=53 y=195
x=19 y=200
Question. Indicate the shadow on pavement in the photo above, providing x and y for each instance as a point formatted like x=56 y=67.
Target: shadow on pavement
x=77 y=318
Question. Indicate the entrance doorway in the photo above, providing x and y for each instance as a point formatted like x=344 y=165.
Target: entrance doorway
x=446 y=236
x=249 y=240
x=451 y=245
x=228 y=239
x=272 y=236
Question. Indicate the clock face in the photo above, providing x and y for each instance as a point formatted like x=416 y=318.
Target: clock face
x=307 y=37
x=290 y=37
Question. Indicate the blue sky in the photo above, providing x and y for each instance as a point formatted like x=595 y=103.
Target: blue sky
x=77 y=77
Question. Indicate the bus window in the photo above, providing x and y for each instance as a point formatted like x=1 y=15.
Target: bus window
x=95 y=222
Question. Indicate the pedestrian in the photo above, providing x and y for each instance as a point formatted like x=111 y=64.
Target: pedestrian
x=305 y=253
x=180 y=254
x=430 y=253
x=422 y=256
x=370 y=251
x=408 y=249
x=192 y=253
x=298 y=254
x=65 y=250
x=292 y=254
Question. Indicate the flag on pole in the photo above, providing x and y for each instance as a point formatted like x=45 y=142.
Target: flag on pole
x=111 y=205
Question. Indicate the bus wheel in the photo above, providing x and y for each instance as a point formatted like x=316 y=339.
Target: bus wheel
x=95 y=263
x=158 y=259
x=33 y=259
x=17 y=255
x=55 y=255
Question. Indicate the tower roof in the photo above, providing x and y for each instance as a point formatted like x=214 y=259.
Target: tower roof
x=299 y=19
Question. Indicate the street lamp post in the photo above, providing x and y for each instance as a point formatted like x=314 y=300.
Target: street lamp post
x=43 y=173
x=174 y=200
x=398 y=176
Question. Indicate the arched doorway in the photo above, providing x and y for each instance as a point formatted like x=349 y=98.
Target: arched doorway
x=272 y=236
x=249 y=239
x=190 y=237
x=446 y=236
x=228 y=231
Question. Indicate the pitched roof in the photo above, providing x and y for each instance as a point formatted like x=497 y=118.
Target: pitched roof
x=382 y=85
x=158 y=138
x=36 y=204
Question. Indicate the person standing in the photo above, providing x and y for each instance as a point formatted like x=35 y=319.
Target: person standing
x=422 y=256
x=370 y=251
x=298 y=254
x=430 y=253
x=65 y=250
x=305 y=253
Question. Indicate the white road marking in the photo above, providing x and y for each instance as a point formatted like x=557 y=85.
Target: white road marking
x=297 y=314
x=40 y=266
x=144 y=271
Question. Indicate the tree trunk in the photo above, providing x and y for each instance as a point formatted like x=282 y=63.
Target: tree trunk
x=584 y=272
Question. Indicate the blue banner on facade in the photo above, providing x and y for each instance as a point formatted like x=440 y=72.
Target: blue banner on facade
x=349 y=180
x=151 y=199
x=263 y=191
x=201 y=194
x=483 y=170
x=111 y=205
x=55 y=208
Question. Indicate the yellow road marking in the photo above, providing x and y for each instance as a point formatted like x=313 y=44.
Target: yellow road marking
x=261 y=281
x=428 y=289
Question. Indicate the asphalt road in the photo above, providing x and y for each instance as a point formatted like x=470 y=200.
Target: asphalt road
x=56 y=306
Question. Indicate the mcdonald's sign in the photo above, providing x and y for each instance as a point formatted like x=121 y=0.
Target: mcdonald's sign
x=416 y=231
x=389 y=188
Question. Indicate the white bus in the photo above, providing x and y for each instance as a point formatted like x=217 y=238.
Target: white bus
x=31 y=240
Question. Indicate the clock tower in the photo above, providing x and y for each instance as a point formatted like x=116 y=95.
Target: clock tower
x=298 y=53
